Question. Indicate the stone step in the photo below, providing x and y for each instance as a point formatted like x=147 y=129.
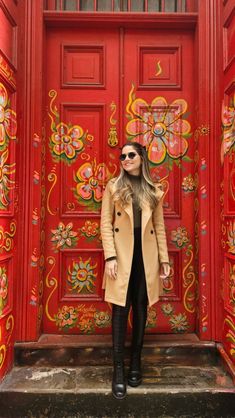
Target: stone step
x=178 y=381
x=67 y=350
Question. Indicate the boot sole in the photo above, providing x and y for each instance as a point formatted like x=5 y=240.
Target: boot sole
x=119 y=397
x=134 y=385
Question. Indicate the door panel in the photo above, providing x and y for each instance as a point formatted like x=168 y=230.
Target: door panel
x=159 y=92
x=103 y=88
x=83 y=86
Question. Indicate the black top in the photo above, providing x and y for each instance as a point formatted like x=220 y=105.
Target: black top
x=135 y=183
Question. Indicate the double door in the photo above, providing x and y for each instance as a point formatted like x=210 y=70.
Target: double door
x=102 y=88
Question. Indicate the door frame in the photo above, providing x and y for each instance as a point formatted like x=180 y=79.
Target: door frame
x=208 y=43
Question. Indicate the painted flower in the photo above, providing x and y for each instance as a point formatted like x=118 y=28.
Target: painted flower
x=82 y=276
x=67 y=142
x=180 y=237
x=66 y=317
x=160 y=127
x=63 y=236
x=228 y=127
x=179 y=323
x=6 y=183
x=167 y=308
x=3 y=288
x=231 y=237
x=8 y=124
x=188 y=184
x=90 y=229
x=86 y=325
x=204 y=130
x=151 y=318
x=91 y=179
x=102 y=319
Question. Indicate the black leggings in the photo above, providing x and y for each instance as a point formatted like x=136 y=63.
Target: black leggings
x=137 y=297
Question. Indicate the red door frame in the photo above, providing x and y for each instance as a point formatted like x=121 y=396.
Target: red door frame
x=208 y=42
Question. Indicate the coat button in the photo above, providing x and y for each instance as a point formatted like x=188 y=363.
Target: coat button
x=116 y=229
x=151 y=231
x=119 y=213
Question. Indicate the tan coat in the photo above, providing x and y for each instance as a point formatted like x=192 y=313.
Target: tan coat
x=117 y=233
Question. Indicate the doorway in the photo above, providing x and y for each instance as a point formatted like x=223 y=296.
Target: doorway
x=104 y=87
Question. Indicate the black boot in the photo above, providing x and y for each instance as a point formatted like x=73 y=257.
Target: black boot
x=139 y=321
x=119 y=324
x=118 y=383
x=135 y=375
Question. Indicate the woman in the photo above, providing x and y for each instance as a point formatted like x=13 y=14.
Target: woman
x=135 y=251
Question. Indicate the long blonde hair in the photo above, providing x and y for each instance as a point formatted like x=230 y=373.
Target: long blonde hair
x=123 y=190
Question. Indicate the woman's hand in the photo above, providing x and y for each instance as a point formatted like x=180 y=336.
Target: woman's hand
x=111 y=269
x=164 y=270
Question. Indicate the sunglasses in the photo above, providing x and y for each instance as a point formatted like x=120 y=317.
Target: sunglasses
x=130 y=155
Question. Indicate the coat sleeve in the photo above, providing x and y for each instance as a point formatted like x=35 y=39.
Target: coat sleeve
x=106 y=224
x=159 y=226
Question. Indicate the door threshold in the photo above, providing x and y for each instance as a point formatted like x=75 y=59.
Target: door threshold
x=158 y=340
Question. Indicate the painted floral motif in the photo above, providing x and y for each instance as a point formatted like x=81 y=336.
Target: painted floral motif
x=82 y=276
x=3 y=289
x=167 y=309
x=8 y=124
x=66 y=141
x=90 y=230
x=63 y=236
x=6 y=237
x=66 y=317
x=230 y=336
x=160 y=126
x=180 y=237
x=179 y=322
x=231 y=237
x=6 y=182
x=91 y=179
x=102 y=319
x=232 y=284
x=86 y=325
x=188 y=184
x=228 y=128
x=151 y=318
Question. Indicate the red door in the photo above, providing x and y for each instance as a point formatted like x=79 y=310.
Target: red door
x=103 y=87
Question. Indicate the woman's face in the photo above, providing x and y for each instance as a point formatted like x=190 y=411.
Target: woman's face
x=131 y=165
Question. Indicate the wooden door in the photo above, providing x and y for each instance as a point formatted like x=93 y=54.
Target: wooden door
x=103 y=87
